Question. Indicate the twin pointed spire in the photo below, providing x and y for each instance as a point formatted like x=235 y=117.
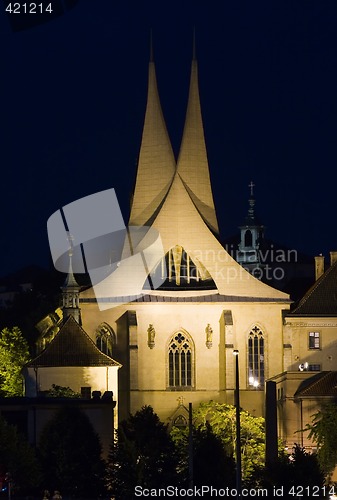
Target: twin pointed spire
x=157 y=167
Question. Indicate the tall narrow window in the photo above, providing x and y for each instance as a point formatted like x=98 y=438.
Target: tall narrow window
x=105 y=338
x=248 y=238
x=180 y=353
x=256 y=358
x=314 y=340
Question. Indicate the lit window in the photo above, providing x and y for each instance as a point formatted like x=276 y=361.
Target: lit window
x=256 y=358
x=314 y=340
x=180 y=353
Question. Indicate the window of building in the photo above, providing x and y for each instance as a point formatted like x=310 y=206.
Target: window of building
x=248 y=238
x=177 y=269
x=314 y=368
x=180 y=421
x=105 y=338
x=180 y=362
x=314 y=340
x=256 y=366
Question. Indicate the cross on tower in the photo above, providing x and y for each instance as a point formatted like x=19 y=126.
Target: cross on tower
x=251 y=186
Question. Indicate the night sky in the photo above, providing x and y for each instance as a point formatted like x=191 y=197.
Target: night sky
x=73 y=95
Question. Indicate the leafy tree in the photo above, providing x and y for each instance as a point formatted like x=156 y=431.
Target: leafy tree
x=59 y=391
x=70 y=453
x=143 y=454
x=14 y=354
x=323 y=431
x=17 y=458
x=222 y=419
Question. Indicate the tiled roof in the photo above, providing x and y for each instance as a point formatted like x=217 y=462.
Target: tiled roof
x=321 y=299
x=72 y=347
x=322 y=384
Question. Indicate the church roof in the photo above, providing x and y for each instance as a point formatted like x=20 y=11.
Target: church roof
x=207 y=298
x=72 y=347
x=321 y=298
x=322 y=384
x=177 y=200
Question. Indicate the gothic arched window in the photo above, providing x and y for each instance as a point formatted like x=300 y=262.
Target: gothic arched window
x=256 y=366
x=180 y=361
x=105 y=338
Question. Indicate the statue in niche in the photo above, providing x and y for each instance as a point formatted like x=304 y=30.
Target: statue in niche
x=151 y=333
x=209 y=336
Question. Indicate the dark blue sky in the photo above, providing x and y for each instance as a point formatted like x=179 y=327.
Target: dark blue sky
x=73 y=94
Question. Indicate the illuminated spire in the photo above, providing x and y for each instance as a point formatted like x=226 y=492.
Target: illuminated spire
x=156 y=165
x=192 y=162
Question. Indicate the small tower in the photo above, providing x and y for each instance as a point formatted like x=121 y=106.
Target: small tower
x=252 y=233
x=71 y=293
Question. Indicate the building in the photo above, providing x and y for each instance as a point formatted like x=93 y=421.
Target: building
x=175 y=343
x=310 y=354
x=68 y=358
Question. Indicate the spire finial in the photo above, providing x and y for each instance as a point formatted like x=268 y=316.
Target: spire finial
x=251 y=186
x=70 y=279
x=194 y=50
x=151 y=46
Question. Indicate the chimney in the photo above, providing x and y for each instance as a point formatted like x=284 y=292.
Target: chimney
x=319 y=266
x=333 y=258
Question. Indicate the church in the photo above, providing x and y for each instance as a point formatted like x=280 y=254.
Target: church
x=176 y=343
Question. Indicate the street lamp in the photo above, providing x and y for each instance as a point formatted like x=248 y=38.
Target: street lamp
x=238 y=427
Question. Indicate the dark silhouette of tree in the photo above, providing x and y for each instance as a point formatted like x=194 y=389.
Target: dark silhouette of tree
x=212 y=466
x=143 y=454
x=18 y=459
x=70 y=453
x=298 y=475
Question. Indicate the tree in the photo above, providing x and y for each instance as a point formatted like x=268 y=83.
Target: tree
x=323 y=431
x=211 y=465
x=17 y=458
x=222 y=419
x=59 y=391
x=70 y=453
x=298 y=474
x=14 y=354
x=143 y=454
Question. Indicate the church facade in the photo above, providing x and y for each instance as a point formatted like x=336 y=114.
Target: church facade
x=175 y=343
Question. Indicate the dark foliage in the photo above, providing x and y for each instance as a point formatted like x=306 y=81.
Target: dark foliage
x=70 y=453
x=299 y=473
x=211 y=465
x=142 y=455
x=18 y=459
